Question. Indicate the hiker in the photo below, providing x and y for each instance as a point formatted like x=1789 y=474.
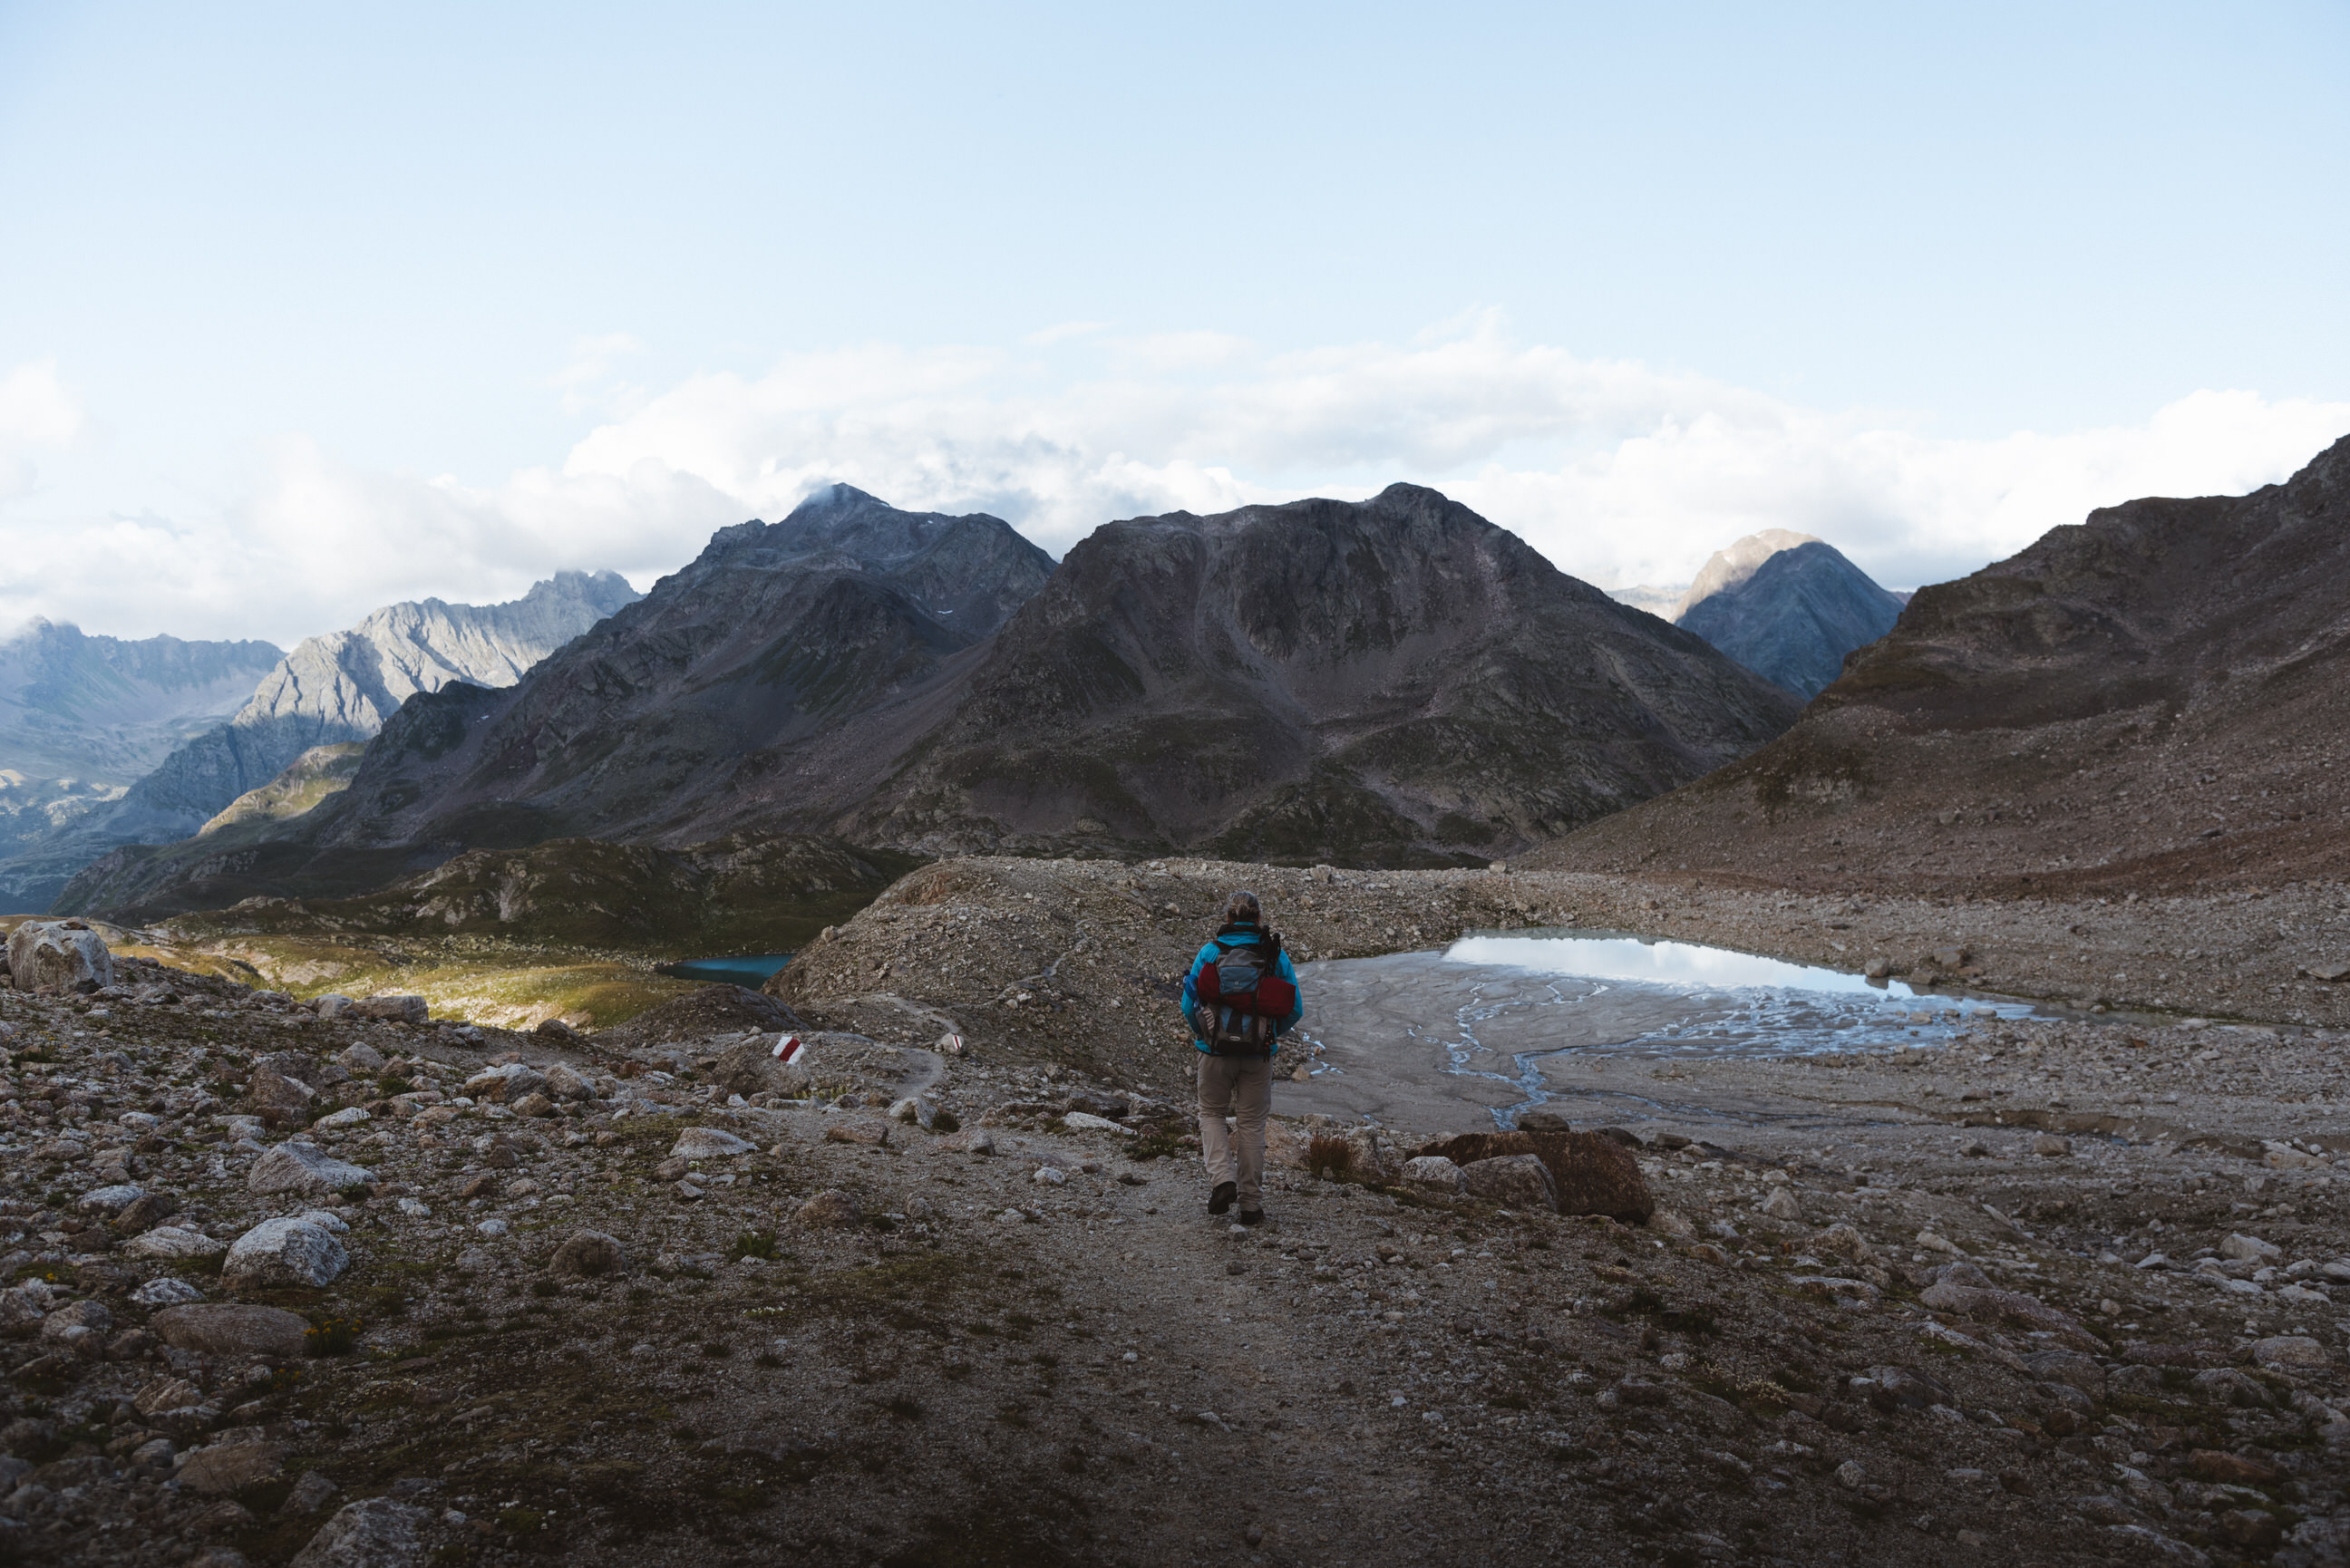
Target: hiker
x=1240 y=998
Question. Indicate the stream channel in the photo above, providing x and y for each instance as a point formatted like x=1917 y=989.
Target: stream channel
x=1586 y=1024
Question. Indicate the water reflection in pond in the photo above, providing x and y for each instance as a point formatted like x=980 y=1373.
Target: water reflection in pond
x=1518 y=1011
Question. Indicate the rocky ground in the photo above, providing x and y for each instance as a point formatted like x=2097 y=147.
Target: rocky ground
x=2059 y=1293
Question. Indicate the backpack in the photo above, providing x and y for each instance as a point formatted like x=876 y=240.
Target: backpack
x=1240 y=997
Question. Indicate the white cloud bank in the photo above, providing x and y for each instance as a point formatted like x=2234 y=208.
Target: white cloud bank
x=1620 y=473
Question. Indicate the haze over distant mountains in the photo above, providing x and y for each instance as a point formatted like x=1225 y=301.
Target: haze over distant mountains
x=1393 y=680
x=83 y=718
x=337 y=688
x=2158 y=696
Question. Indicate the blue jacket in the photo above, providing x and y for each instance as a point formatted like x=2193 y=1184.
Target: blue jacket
x=1242 y=936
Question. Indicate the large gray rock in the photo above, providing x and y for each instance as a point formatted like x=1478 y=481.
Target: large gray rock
x=172 y=1241
x=709 y=1143
x=304 y=1167
x=749 y=1068
x=1512 y=1180
x=230 y=1464
x=230 y=1328
x=270 y=1090
x=1433 y=1173
x=65 y=954
x=589 y=1254
x=505 y=1083
x=284 y=1251
x=374 y=1532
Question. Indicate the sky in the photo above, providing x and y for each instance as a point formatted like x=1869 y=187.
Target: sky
x=305 y=309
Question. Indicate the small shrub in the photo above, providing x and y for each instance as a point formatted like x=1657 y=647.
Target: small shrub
x=394 y=1084
x=753 y=1244
x=766 y=1358
x=359 y=1192
x=544 y=1287
x=717 y=1349
x=332 y=1336
x=905 y=1408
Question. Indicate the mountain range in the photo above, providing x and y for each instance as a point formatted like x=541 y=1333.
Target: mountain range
x=1395 y=680
x=84 y=718
x=2158 y=697
x=333 y=689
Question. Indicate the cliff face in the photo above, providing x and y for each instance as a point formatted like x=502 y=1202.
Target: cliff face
x=1794 y=616
x=697 y=711
x=2158 y=697
x=1395 y=680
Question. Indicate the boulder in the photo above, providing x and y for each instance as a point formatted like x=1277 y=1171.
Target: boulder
x=559 y=1032
x=1906 y=1389
x=172 y=1241
x=970 y=1140
x=873 y=1135
x=109 y=1201
x=166 y=1394
x=284 y=1251
x=362 y=1061
x=145 y=1213
x=164 y=1292
x=270 y=1090
x=1664 y=1223
x=79 y=1327
x=1781 y=1204
x=305 y=1068
x=2244 y=1249
x=535 y=1103
x=587 y=1256
x=1543 y=1121
x=348 y=1116
x=391 y=1008
x=2290 y=1350
x=505 y=1083
x=1841 y=1240
x=334 y=1005
x=709 y=1143
x=1590 y=1172
x=1433 y=1173
x=230 y=1328
x=310 y=1494
x=228 y=1466
x=564 y=1082
x=1511 y=1180
x=374 y=1532
x=66 y=955
x=304 y=1167
x=749 y=1068
x=829 y=1208
x=2225 y=1385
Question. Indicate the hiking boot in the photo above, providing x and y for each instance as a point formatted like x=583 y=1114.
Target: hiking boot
x=1221 y=1198
x=1252 y=1216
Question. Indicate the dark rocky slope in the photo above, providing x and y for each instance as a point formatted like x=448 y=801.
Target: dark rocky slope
x=1391 y=682
x=2158 y=698
x=1394 y=681
x=1795 y=617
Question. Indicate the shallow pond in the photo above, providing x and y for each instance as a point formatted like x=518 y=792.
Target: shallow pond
x=749 y=970
x=1512 y=1020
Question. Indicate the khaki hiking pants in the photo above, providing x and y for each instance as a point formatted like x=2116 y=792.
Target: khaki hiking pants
x=1242 y=1088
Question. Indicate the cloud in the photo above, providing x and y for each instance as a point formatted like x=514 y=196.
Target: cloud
x=1619 y=473
x=36 y=413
